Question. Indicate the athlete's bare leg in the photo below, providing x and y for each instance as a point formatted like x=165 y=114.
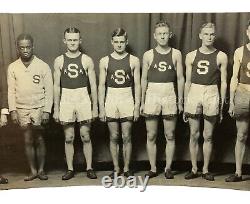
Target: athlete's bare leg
x=29 y=149
x=69 y=144
x=127 y=145
x=193 y=144
x=114 y=146
x=242 y=132
x=169 y=131
x=87 y=145
x=40 y=149
x=152 y=129
x=208 y=143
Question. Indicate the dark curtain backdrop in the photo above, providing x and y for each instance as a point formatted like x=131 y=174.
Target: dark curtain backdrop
x=47 y=30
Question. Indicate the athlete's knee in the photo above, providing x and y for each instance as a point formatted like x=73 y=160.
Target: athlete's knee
x=39 y=140
x=207 y=135
x=241 y=137
x=194 y=135
x=85 y=138
x=151 y=136
x=170 y=135
x=126 y=138
x=114 y=137
x=69 y=138
x=28 y=141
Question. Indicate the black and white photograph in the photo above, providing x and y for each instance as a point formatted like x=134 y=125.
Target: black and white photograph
x=125 y=100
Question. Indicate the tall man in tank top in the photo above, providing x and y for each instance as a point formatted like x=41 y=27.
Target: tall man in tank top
x=206 y=67
x=240 y=103
x=72 y=102
x=119 y=72
x=162 y=71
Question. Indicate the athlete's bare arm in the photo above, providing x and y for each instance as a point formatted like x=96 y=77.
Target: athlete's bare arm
x=189 y=63
x=92 y=80
x=57 y=75
x=234 y=80
x=136 y=68
x=223 y=61
x=144 y=78
x=101 y=88
x=180 y=78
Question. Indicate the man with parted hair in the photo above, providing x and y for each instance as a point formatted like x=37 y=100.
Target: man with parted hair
x=162 y=72
x=240 y=102
x=206 y=71
x=73 y=71
x=30 y=98
x=119 y=73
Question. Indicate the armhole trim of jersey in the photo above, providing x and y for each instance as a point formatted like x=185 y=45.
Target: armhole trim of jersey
x=242 y=53
x=62 y=62
x=173 y=50
x=195 y=54
x=130 y=63
x=106 y=65
x=151 y=53
x=82 y=60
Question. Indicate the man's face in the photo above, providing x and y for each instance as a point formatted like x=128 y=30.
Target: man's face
x=72 y=41
x=119 y=44
x=162 y=35
x=207 y=36
x=25 y=49
x=248 y=32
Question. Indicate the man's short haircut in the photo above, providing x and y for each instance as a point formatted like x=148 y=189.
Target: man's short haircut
x=207 y=25
x=72 y=30
x=162 y=23
x=119 y=32
x=25 y=36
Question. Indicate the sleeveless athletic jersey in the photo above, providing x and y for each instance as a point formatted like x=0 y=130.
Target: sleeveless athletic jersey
x=73 y=74
x=119 y=74
x=162 y=68
x=205 y=70
x=244 y=76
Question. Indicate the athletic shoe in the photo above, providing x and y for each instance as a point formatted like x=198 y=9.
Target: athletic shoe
x=191 y=175
x=69 y=175
x=91 y=174
x=42 y=176
x=128 y=173
x=234 y=178
x=208 y=176
x=3 y=180
x=168 y=174
x=112 y=175
x=151 y=174
x=30 y=177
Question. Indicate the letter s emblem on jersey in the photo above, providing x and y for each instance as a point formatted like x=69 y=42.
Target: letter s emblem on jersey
x=162 y=66
x=120 y=76
x=73 y=70
x=203 y=67
x=36 y=79
x=248 y=68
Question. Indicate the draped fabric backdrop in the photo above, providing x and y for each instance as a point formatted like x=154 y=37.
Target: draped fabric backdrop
x=47 y=30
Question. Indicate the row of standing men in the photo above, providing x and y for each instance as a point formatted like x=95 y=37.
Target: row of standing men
x=161 y=90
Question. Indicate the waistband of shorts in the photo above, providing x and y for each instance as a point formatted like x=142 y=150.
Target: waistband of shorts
x=244 y=86
x=73 y=91
x=160 y=86
x=119 y=90
x=204 y=86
